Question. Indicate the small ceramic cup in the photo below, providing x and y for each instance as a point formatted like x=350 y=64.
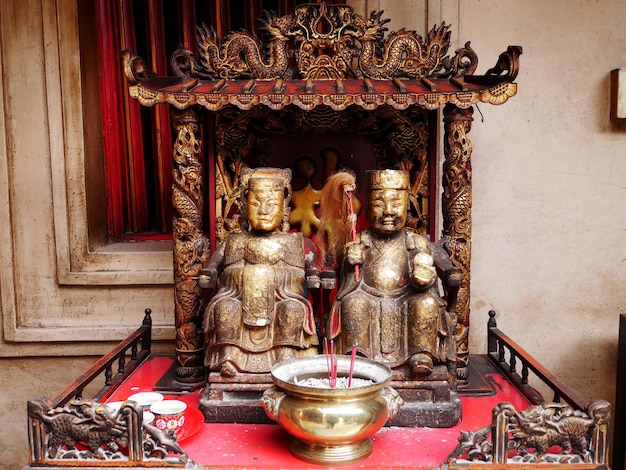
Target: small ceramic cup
x=114 y=407
x=146 y=399
x=169 y=414
x=148 y=418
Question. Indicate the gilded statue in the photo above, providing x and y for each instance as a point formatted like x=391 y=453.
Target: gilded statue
x=259 y=314
x=388 y=304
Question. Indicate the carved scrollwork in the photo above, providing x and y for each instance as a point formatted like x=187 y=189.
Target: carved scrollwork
x=135 y=68
x=507 y=64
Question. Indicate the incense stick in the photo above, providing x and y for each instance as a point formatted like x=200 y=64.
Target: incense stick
x=333 y=366
x=352 y=359
x=349 y=189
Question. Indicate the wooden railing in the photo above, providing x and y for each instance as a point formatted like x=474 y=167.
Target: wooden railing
x=516 y=364
x=137 y=344
x=579 y=428
x=57 y=427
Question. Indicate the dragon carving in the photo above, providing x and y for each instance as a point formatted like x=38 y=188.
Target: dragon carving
x=554 y=424
x=88 y=430
x=405 y=52
x=457 y=204
x=240 y=54
x=86 y=422
x=581 y=436
x=190 y=246
x=324 y=42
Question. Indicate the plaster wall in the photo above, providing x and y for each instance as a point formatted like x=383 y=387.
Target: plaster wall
x=549 y=181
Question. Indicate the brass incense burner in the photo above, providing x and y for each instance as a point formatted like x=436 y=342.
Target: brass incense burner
x=330 y=425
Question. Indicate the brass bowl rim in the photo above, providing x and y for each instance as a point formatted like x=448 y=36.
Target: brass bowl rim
x=283 y=374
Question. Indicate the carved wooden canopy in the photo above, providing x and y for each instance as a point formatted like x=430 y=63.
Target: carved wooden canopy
x=325 y=55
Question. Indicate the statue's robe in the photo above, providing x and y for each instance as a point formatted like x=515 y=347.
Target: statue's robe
x=259 y=315
x=384 y=313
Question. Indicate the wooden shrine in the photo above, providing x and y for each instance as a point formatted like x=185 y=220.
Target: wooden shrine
x=324 y=70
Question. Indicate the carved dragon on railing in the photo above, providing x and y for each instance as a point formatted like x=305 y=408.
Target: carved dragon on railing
x=580 y=435
x=87 y=433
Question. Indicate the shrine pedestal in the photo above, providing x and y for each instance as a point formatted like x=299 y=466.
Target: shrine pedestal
x=235 y=399
x=428 y=402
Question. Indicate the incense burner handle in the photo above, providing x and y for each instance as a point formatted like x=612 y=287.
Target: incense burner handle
x=394 y=400
x=270 y=401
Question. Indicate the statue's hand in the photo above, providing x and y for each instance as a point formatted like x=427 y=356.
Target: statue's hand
x=207 y=278
x=313 y=278
x=355 y=253
x=424 y=271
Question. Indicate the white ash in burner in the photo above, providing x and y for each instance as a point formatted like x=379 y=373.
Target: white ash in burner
x=342 y=382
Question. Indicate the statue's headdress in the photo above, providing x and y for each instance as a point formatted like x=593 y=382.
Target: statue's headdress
x=388 y=179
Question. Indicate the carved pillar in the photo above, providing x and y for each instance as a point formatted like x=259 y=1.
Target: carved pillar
x=191 y=248
x=457 y=215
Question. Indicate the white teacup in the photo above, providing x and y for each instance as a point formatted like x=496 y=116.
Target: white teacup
x=169 y=414
x=148 y=418
x=146 y=399
x=115 y=406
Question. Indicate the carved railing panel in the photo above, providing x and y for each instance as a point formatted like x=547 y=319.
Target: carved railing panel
x=550 y=433
x=85 y=433
x=547 y=433
x=71 y=431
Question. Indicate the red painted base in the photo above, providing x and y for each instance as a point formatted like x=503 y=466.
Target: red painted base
x=265 y=446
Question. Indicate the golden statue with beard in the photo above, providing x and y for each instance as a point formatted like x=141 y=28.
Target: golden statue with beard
x=388 y=303
x=259 y=315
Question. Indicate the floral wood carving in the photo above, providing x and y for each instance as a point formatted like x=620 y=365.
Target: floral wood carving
x=326 y=43
x=399 y=139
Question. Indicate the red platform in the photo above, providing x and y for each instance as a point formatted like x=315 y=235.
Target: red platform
x=264 y=446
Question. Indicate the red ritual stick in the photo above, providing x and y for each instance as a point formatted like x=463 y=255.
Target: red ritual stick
x=349 y=190
x=352 y=359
